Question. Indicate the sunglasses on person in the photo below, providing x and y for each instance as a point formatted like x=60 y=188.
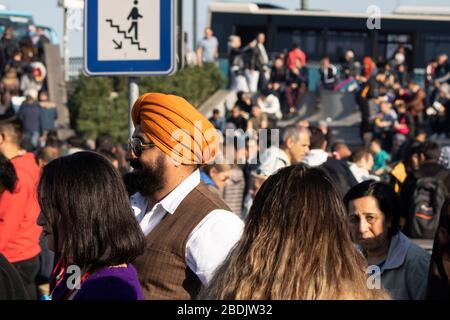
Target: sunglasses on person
x=137 y=146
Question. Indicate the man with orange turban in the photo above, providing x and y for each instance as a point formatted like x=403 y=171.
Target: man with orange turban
x=189 y=229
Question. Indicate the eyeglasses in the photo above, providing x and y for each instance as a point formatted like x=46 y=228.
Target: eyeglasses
x=137 y=146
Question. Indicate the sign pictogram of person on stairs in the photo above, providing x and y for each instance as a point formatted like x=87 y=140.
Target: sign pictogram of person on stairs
x=134 y=16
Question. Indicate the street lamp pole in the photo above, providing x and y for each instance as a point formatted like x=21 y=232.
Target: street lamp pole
x=304 y=4
x=194 y=18
x=66 y=44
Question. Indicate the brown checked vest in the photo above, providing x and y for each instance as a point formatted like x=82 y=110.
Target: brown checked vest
x=163 y=272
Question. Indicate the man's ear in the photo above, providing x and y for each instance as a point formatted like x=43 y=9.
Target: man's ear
x=289 y=143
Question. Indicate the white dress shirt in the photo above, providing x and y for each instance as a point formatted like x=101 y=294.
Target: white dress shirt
x=362 y=174
x=316 y=157
x=211 y=240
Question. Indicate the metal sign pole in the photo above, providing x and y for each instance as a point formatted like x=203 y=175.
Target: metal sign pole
x=133 y=95
x=180 y=36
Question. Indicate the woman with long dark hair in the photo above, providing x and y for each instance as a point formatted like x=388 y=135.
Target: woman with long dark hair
x=88 y=223
x=296 y=245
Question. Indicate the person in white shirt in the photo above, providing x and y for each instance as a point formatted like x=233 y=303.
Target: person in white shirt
x=317 y=155
x=294 y=146
x=362 y=164
x=189 y=229
x=270 y=105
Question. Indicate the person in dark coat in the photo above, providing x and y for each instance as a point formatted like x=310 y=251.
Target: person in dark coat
x=11 y=286
x=439 y=274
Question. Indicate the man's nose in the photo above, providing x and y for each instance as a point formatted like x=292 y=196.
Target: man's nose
x=130 y=155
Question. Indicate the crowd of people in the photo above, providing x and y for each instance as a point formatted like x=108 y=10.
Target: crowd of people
x=23 y=83
x=186 y=224
x=295 y=214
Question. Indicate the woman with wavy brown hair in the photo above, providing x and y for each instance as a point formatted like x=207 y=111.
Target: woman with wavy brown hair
x=296 y=245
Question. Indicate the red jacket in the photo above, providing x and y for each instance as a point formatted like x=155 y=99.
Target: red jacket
x=294 y=55
x=19 y=233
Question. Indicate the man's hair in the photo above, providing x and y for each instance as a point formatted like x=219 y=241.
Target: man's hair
x=295 y=45
x=104 y=141
x=47 y=154
x=431 y=150
x=13 y=127
x=317 y=138
x=108 y=154
x=411 y=82
x=293 y=132
x=420 y=130
x=338 y=145
x=290 y=132
x=8 y=176
x=377 y=141
x=360 y=153
x=76 y=142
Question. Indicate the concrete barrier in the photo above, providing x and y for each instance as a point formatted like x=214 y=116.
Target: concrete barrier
x=338 y=109
x=222 y=99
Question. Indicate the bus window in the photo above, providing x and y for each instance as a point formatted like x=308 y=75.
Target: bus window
x=19 y=23
x=436 y=44
x=338 y=42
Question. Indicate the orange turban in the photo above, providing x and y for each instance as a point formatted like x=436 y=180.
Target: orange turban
x=176 y=127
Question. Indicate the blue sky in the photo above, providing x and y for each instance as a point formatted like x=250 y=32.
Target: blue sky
x=47 y=12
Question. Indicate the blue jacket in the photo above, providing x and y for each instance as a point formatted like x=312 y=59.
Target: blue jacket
x=405 y=273
x=30 y=114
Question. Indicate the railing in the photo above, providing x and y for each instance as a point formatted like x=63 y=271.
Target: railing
x=75 y=67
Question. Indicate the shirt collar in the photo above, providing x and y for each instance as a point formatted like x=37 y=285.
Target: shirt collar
x=170 y=202
x=397 y=251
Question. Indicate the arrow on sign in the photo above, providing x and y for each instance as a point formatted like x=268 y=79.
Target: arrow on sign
x=118 y=45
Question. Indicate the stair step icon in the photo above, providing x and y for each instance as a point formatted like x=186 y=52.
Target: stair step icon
x=125 y=35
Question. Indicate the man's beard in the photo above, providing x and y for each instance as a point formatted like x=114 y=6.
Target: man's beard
x=148 y=179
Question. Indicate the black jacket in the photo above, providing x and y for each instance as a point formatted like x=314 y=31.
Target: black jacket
x=340 y=174
x=427 y=169
x=11 y=285
x=439 y=273
x=236 y=59
x=257 y=61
